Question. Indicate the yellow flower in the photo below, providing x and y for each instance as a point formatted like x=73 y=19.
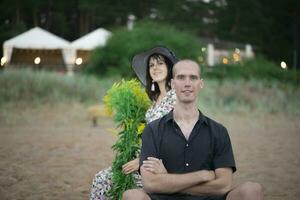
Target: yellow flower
x=140 y=95
x=141 y=128
x=118 y=92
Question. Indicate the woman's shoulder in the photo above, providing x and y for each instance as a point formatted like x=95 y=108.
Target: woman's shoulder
x=171 y=93
x=171 y=97
x=164 y=107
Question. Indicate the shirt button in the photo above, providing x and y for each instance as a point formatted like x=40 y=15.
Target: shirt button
x=187 y=164
x=187 y=145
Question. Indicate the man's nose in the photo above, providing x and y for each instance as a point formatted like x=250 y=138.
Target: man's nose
x=187 y=82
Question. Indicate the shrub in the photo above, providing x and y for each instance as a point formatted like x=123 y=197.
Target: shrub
x=258 y=68
x=115 y=57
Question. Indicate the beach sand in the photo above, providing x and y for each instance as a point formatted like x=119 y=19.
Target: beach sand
x=53 y=152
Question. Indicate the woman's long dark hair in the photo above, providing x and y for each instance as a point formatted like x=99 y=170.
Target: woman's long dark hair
x=153 y=95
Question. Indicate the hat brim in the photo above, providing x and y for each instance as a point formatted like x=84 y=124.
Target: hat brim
x=139 y=61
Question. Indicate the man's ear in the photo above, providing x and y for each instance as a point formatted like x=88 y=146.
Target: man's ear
x=201 y=83
x=172 y=83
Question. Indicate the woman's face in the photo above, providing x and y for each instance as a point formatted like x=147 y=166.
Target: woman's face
x=158 y=69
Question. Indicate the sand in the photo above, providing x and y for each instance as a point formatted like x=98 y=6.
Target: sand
x=53 y=152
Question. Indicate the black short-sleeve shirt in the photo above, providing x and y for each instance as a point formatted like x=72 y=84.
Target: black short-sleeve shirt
x=208 y=146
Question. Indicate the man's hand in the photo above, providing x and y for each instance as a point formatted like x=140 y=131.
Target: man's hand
x=207 y=175
x=154 y=165
x=131 y=166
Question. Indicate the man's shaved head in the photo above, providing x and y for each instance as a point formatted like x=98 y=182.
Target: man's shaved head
x=183 y=63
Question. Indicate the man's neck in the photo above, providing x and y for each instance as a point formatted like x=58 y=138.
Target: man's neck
x=186 y=116
x=186 y=112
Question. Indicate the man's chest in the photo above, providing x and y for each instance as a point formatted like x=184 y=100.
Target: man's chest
x=185 y=128
x=181 y=155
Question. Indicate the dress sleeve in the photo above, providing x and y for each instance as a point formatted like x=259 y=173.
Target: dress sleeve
x=164 y=107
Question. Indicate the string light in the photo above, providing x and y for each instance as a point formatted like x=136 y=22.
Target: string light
x=283 y=65
x=236 y=57
x=37 y=60
x=225 y=61
x=78 y=61
x=3 y=61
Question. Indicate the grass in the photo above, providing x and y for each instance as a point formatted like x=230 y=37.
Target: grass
x=253 y=95
x=23 y=89
x=39 y=87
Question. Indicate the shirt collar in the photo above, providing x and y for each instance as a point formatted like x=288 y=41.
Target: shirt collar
x=202 y=117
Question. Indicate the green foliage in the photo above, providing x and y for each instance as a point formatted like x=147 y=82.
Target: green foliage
x=273 y=28
x=24 y=85
x=258 y=68
x=129 y=103
x=115 y=57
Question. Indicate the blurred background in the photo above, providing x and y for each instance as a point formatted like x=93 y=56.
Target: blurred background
x=60 y=57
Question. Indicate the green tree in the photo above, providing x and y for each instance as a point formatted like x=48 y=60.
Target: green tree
x=272 y=26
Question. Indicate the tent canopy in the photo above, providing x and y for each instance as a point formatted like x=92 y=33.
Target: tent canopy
x=92 y=40
x=35 y=38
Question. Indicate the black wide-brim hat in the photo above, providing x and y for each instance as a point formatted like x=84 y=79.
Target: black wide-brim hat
x=139 y=61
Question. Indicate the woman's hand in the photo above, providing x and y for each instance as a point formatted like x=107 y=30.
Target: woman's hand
x=154 y=165
x=131 y=166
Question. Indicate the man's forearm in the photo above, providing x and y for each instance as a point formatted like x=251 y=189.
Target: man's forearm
x=214 y=187
x=172 y=183
x=219 y=186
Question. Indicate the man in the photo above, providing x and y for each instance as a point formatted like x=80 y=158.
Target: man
x=186 y=155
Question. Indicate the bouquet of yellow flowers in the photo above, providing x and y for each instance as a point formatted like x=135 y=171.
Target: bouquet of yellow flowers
x=128 y=103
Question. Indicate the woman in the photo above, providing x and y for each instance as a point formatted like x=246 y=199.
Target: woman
x=154 y=69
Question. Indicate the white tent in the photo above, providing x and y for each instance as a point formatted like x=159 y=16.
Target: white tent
x=37 y=38
x=82 y=47
x=91 y=40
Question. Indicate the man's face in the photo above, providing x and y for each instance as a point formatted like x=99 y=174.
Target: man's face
x=186 y=81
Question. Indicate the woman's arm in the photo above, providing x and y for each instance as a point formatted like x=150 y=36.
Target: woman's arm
x=131 y=166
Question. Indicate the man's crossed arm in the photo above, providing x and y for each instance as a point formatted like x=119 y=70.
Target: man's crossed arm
x=156 y=179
